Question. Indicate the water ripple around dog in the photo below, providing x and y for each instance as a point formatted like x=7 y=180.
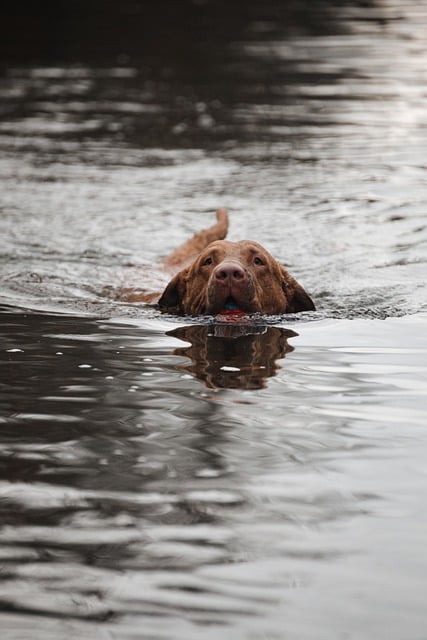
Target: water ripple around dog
x=167 y=476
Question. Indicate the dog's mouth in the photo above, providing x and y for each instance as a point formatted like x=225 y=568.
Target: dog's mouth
x=231 y=304
x=229 y=299
x=231 y=309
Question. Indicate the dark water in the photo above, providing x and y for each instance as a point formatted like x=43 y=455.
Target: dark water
x=170 y=477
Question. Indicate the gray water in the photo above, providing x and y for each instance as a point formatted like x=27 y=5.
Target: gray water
x=172 y=478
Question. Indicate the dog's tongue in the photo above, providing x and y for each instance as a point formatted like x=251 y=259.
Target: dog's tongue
x=231 y=310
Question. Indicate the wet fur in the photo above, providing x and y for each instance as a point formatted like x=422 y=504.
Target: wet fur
x=267 y=286
x=213 y=271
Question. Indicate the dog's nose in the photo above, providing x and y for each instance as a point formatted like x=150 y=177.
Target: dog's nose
x=230 y=271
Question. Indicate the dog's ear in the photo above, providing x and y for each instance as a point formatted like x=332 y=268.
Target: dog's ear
x=172 y=297
x=297 y=299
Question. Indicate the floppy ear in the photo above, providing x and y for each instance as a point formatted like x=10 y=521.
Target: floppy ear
x=297 y=299
x=171 y=299
x=300 y=301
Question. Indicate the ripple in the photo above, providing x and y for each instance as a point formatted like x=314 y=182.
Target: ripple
x=137 y=494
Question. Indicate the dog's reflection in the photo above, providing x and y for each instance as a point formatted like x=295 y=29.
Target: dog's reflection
x=227 y=356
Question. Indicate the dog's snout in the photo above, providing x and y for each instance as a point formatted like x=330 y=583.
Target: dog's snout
x=230 y=271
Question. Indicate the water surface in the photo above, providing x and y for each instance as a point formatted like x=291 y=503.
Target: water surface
x=171 y=477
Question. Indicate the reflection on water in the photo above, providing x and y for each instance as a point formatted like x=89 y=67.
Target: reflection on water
x=233 y=356
x=131 y=497
x=168 y=477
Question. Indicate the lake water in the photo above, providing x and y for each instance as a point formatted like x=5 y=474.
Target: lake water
x=176 y=478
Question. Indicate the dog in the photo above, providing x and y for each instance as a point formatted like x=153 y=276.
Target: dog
x=215 y=277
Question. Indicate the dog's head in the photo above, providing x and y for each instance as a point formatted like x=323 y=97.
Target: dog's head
x=238 y=276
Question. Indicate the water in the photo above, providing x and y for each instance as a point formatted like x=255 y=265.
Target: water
x=170 y=477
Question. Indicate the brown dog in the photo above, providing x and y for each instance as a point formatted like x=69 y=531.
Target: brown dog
x=218 y=276
x=240 y=276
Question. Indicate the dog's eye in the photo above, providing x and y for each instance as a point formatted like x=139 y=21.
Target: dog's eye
x=207 y=261
x=258 y=261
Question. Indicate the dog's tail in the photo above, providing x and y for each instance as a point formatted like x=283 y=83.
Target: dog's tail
x=199 y=241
